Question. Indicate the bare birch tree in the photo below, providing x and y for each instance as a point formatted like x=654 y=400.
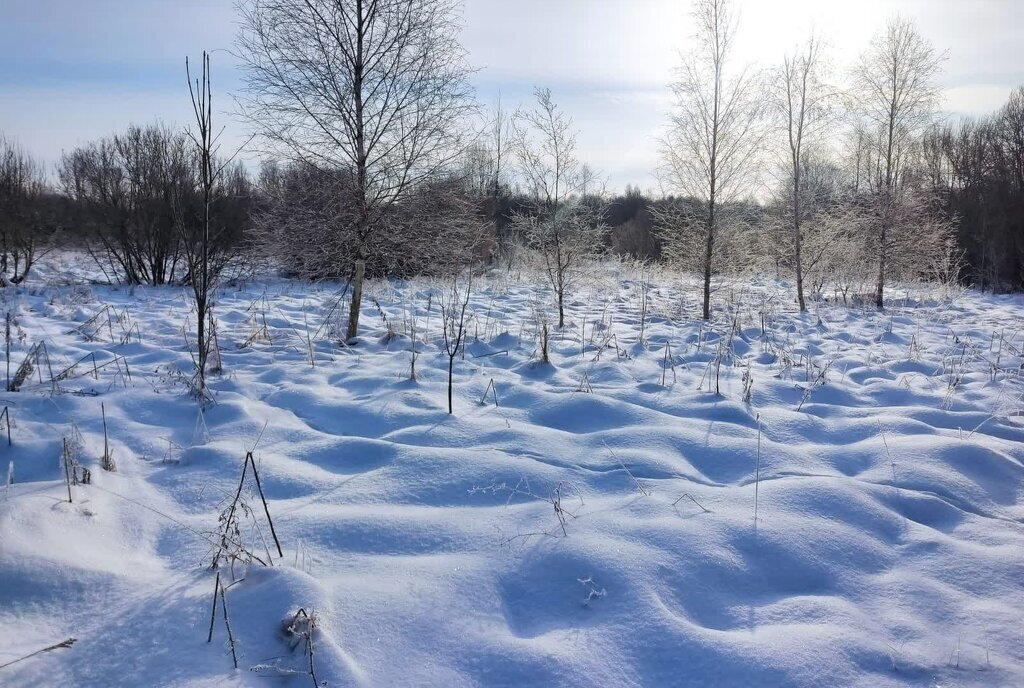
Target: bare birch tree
x=202 y=226
x=709 y=150
x=896 y=85
x=202 y=278
x=806 y=105
x=377 y=89
x=560 y=223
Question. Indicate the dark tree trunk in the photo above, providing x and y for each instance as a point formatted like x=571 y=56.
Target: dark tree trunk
x=451 y=368
x=357 y=300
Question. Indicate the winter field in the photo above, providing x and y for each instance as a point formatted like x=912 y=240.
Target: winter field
x=845 y=511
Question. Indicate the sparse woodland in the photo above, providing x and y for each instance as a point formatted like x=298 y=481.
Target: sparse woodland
x=842 y=180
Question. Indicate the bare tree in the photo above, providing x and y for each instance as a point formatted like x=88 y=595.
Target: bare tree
x=487 y=157
x=203 y=279
x=486 y=176
x=202 y=226
x=497 y=137
x=376 y=89
x=454 y=302
x=806 y=105
x=562 y=224
x=499 y=132
x=709 y=150
x=26 y=219
x=896 y=85
x=129 y=188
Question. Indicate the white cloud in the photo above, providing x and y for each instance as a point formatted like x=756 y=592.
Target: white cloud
x=976 y=99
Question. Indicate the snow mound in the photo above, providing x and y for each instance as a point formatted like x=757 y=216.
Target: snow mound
x=588 y=521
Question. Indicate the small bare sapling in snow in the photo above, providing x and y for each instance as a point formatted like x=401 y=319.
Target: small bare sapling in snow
x=454 y=303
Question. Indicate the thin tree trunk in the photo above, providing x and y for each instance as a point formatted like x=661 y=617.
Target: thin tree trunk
x=451 y=368
x=880 y=287
x=797 y=239
x=361 y=177
x=708 y=252
x=713 y=165
x=890 y=183
x=357 y=300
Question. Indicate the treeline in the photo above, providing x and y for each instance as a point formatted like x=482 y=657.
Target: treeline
x=380 y=163
x=132 y=200
x=126 y=197
x=977 y=169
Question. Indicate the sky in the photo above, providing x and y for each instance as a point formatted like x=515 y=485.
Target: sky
x=75 y=70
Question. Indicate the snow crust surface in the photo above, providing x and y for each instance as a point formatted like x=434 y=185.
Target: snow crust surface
x=882 y=452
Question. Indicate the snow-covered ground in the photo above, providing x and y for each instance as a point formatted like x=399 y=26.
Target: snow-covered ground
x=591 y=522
